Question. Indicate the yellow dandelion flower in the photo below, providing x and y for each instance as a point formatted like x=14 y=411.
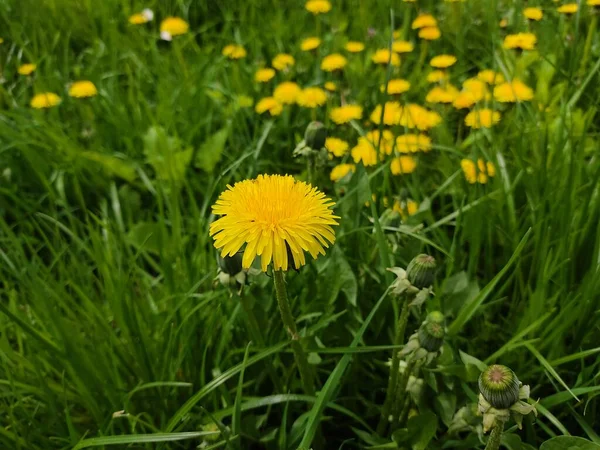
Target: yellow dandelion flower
x=140 y=18
x=391 y=114
x=406 y=208
x=515 y=91
x=273 y=216
x=411 y=143
x=403 y=165
x=269 y=104
x=336 y=146
x=436 y=76
x=524 y=41
x=569 y=8
x=264 y=75
x=318 y=6
x=430 y=33
x=82 y=89
x=234 y=51
x=333 y=62
x=26 y=69
x=355 y=46
x=490 y=77
x=476 y=86
x=503 y=23
x=346 y=113
x=477 y=173
x=424 y=21
x=396 y=86
x=286 y=92
x=312 y=97
x=385 y=142
x=415 y=116
x=483 y=118
x=330 y=86
x=402 y=46
x=465 y=99
x=442 y=94
x=340 y=171
x=442 y=61
x=283 y=61
x=533 y=13
x=173 y=26
x=45 y=100
x=593 y=2
x=365 y=153
x=310 y=43
x=384 y=56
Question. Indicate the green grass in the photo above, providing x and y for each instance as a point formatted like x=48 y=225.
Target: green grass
x=108 y=299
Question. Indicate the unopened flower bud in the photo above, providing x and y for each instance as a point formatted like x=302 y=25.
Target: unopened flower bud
x=421 y=271
x=315 y=135
x=231 y=265
x=435 y=317
x=431 y=336
x=499 y=386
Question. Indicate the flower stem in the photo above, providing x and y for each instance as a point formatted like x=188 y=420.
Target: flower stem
x=588 y=43
x=401 y=392
x=290 y=325
x=394 y=370
x=495 y=436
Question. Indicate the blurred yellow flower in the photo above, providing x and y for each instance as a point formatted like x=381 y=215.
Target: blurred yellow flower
x=423 y=21
x=442 y=94
x=173 y=26
x=533 y=13
x=402 y=46
x=336 y=146
x=473 y=91
x=482 y=118
x=312 y=97
x=442 y=61
x=144 y=17
x=396 y=86
x=268 y=104
x=385 y=141
x=569 y=8
x=411 y=143
x=415 y=116
x=403 y=165
x=490 y=77
x=234 y=51
x=355 y=46
x=406 y=208
x=333 y=62
x=283 y=61
x=477 y=173
x=340 y=171
x=430 y=33
x=593 y=2
x=318 y=6
x=344 y=114
x=45 y=100
x=503 y=23
x=82 y=89
x=514 y=91
x=26 y=69
x=286 y=92
x=524 y=41
x=264 y=75
x=364 y=152
x=436 y=75
x=391 y=114
x=310 y=43
x=330 y=86
x=384 y=56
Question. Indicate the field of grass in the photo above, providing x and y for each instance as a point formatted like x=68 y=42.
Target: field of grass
x=119 y=330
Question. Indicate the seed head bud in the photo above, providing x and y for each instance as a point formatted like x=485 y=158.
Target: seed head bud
x=435 y=317
x=315 y=135
x=421 y=271
x=231 y=265
x=499 y=386
x=431 y=336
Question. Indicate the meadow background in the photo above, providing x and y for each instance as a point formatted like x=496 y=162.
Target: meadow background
x=111 y=322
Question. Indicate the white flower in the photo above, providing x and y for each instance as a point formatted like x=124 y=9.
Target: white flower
x=148 y=14
x=166 y=36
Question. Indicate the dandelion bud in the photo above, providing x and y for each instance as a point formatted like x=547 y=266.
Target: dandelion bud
x=435 y=317
x=431 y=336
x=499 y=386
x=315 y=135
x=231 y=265
x=421 y=271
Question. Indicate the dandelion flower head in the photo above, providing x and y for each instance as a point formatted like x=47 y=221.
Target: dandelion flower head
x=396 y=86
x=283 y=61
x=384 y=56
x=477 y=173
x=234 y=51
x=173 y=26
x=333 y=62
x=355 y=46
x=483 y=118
x=403 y=165
x=268 y=104
x=336 y=146
x=286 y=92
x=264 y=75
x=346 y=113
x=45 y=100
x=340 y=171
x=515 y=91
x=402 y=46
x=423 y=21
x=311 y=97
x=318 y=6
x=523 y=41
x=310 y=43
x=569 y=8
x=533 y=13
x=26 y=69
x=442 y=61
x=82 y=89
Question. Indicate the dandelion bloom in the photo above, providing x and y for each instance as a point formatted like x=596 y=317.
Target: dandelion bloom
x=365 y=153
x=310 y=43
x=273 y=216
x=515 y=91
x=234 y=51
x=476 y=86
x=524 y=41
x=26 y=69
x=311 y=97
x=384 y=56
x=264 y=75
x=385 y=141
x=465 y=99
x=416 y=116
x=490 y=77
x=442 y=61
x=442 y=94
x=318 y=6
x=533 y=13
x=283 y=61
x=45 y=100
x=569 y=8
x=411 y=143
x=268 y=104
x=140 y=18
x=396 y=86
x=391 y=114
x=593 y=2
x=483 y=118
x=402 y=46
x=355 y=46
x=477 y=173
x=406 y=208
x=346 y=113
x=336 y=146
x=340 y=171
x=173 y=26
x=424 y=21
x=430 y=33
x=330 y=86
x=82 y=89
x=333 y=62
x=436 y=76
x=403 y=165
x=286 y=92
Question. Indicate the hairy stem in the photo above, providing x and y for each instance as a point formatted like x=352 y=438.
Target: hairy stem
x=495 y=436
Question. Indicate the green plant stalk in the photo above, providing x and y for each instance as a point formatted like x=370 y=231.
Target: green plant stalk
x=400 y=394
x=588 y=43
x=310 y=169
x=495 y=436
x=394 y=369
x=290 y=325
